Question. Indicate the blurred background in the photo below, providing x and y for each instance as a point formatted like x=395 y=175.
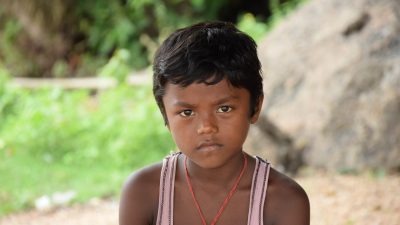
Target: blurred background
x=77 y=115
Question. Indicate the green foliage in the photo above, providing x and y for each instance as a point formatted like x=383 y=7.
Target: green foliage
x=117 y=66
x=60 y=69
x=98 y=31
x=257 y=28
x=208 y=8
x=104 y=28
x=281 y=9
x=10 y=54
x=53 y=140
x=8 y=97
x=53 y=125
x=251 y=26
x=137 y=26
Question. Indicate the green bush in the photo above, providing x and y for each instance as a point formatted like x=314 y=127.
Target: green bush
x=93 y=33
x=258 y=28
x=253 y=27
x=54 y=140
x=137 y=26
x=118 y=66
x=54 y=125
x=8 y=96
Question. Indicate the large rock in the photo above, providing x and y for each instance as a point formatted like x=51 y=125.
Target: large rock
x=332 y=86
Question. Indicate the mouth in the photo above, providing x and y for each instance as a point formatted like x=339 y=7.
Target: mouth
x=208 y=146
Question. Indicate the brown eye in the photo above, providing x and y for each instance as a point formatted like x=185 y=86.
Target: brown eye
x=224 y=109
x=186 y=113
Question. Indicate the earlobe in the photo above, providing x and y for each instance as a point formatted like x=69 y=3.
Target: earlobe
x=257 y=112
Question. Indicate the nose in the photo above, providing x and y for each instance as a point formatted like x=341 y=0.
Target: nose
x=207 y=124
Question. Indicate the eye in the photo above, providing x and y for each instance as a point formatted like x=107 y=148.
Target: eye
x=186 y=113
x=224 y=109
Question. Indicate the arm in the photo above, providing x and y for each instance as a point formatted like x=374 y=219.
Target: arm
x=297 y=208
x=287 y=202
x=139 y=198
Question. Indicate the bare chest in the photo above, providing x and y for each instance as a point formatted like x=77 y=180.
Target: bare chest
x=186 y=212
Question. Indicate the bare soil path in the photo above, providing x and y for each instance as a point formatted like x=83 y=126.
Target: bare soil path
x=335 y=200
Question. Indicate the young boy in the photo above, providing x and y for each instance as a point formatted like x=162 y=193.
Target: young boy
x=208 y=86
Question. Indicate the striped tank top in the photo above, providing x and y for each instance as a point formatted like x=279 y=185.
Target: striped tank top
x=166 y=195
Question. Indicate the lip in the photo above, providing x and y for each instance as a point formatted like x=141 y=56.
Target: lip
x=209 y=146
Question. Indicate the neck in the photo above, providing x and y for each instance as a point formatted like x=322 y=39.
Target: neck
x=219 y=176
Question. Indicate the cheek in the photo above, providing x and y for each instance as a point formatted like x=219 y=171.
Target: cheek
x=236 y=129
x=181 y=132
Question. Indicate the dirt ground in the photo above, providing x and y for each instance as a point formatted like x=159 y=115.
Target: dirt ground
x=335 y=200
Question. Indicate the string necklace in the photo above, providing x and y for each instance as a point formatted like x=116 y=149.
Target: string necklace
x=226 y=200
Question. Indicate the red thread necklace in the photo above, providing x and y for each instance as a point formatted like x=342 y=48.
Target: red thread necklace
x=226 y=200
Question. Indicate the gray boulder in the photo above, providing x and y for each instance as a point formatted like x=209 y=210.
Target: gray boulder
x=332 y=87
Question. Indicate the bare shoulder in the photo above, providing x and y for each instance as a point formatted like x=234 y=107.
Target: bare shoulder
x=139 y=198
x=287 y=203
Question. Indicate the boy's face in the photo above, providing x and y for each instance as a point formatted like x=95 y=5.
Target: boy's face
x=209 y=123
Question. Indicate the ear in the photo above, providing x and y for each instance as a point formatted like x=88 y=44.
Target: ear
x=257 y=112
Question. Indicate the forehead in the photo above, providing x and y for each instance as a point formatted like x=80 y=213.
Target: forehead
x=200 y=92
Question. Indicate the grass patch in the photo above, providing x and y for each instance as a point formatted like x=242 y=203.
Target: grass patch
x=57 y=141
x=29 y=179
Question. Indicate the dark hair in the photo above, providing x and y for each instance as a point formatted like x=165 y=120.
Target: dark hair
x=207 y=53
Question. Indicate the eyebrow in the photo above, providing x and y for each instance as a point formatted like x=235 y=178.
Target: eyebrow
x=227 y=99
x=183 y=104
x=218 y=102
